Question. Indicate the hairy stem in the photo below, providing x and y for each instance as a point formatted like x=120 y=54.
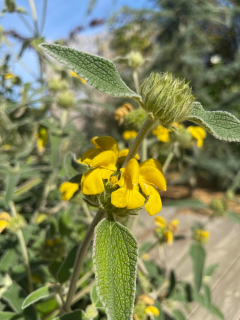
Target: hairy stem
x=139 y=139
x=136 y=81
x=80 y=258
x=23 y=249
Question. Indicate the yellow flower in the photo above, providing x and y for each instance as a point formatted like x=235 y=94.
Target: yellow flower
x=168 y=236
x=50 y=242
x=122 y=111
x=173 y=225
x=201 y=235
x=103 y=162
x=198 y=133
x=9 y=76
x=145 y=257
x=68 y=189
x=4 y=218
x=73 y=74
x=113 y=180
x=122 y=156
x=152 y=311
x=127 y=135
x=128 y=195
x=6 y=147
x=151 y=178
x=160 y=222
x=42 y=139
x=161 y=133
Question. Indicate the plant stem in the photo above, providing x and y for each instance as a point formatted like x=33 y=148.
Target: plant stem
x=167 y=162
x=80 y=258
x=139 y=139
x=144 y=150
x=136 y=81
x=34 y=16
x=23 y=248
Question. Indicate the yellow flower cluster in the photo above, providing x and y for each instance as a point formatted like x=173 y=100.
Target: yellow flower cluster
x=161 y=133
x=42 y=138
x=127 y=135
x=201 y=236
x=137 y=181
x=145 y=307
x=122 y=111
x=164 y=230
x=198 y=133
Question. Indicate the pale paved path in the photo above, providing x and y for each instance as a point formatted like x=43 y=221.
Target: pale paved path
x=223 y=248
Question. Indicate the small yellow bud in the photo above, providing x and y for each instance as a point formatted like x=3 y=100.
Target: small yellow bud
x=152 y=311
x=168 y=236
x=127 y=135
x=201 y=236
x=113 y=180
x=16 y=223
x=50 y=242
x=167 y=98
x=160 y=222
x=219 y=206
x=91 y=312
x=161 y=133
x=73 y=74
x=146 y=299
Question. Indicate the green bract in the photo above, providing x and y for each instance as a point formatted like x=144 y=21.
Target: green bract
x=115 y=261
x=99 y=72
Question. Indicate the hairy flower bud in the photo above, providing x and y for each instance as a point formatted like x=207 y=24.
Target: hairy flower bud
x=66 y=100
x=167 y=98
x=135 y=59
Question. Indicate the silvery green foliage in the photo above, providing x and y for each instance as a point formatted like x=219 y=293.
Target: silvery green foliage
x=115 y=262
x=166 y=98
x=221 y=124
x=97 y=71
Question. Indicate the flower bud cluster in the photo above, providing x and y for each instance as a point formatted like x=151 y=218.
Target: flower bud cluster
x=165 y=231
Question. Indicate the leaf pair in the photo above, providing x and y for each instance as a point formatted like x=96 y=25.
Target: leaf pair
x=102 y=75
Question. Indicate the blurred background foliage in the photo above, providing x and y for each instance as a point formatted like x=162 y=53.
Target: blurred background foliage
x=58 y=112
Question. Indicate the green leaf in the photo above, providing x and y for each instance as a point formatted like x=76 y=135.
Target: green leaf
x=56 y=142
x=97 y=71
x=197 y=254
x=15 y=296
x=11 y=182
x=75 y=315
x=233 y=216
x=214 y=310
x=8 y=260
x=221 y=124
x=145 y=247
x=190 y=203
x=115 y=261
x=72 y=166
x=178 y=315
x=207 y=295
x=95 y=298
x=66 y=268
x=7 y=315
x=209 y=270
x=36 y=296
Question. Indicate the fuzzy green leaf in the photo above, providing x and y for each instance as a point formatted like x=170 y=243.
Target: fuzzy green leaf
x=97 y=71
x=115 y=261
x=95 y=298
x=233 y=216
x=214 y=310
x=178 y=315
x=197 y=254
x=7 y=315
x=35 y=296
x=66 y=268
x=221 y=124
x=72 y=166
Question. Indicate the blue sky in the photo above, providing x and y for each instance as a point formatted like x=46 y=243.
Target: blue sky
x=62 y=17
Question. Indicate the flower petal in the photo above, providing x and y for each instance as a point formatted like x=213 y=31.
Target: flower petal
x=132 y=171
x=107 y=143
x=89 y=155
x=92 y=182
x=154 y=203
x=152 y=163
x=3 y=225
x=153 y=176
x=119 y=198
x=105 y=159
x=135 y=199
